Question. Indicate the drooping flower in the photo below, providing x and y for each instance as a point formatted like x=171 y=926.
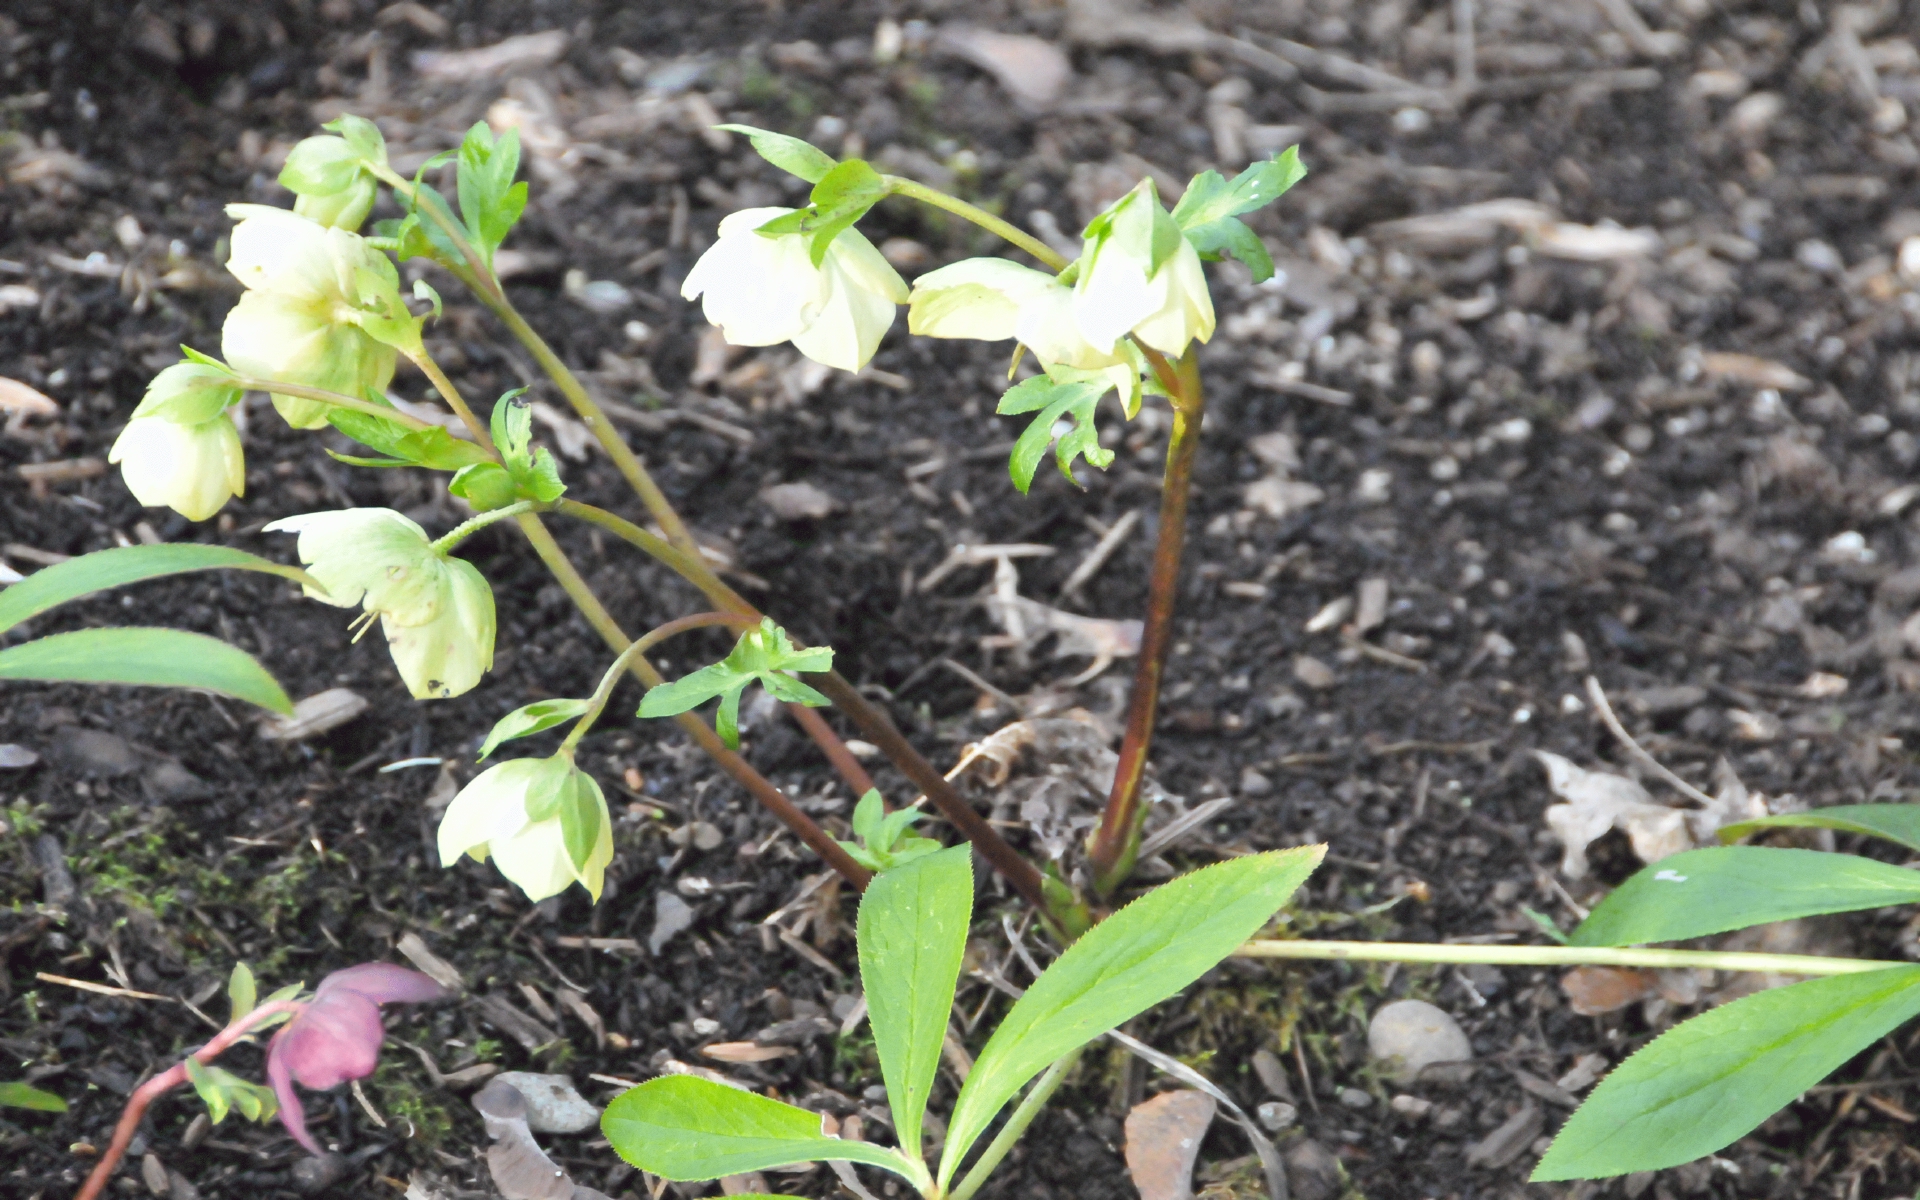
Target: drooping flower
x=336 y=1035
x=764 y=290
x=516 y=813
x=992 y=299
x=1140 y=275
x=313 y=293
x=330 y=182
x=436 y=610
x=180 y=449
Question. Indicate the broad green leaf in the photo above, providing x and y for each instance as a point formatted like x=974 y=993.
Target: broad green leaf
x=868 y=814
x=25 y=1095
x=1210 y=197
x=530 y=719
x=790 y=154
x=1894 y=822
x=689 y=691
x=145 y=658
x=1146 y=952
x=1708 y=1081
x=1731 y=887
x=683 y=1128
x=241 y=991
x=1076 y=400
x=581 y=803
x=490 y=200
x=485 y=485
x=912 y=933
x=105 y=569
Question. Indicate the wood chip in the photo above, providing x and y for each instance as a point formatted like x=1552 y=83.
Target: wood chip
x=745 y=1052
x=18 y=397
x=1163 y=1141
x=1592 y=991
x=524 y=52
x=313 y=716
x=63 y=471
x=431 y=965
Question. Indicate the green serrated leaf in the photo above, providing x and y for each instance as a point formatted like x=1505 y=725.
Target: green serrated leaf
x=1229 y=237
x=145 y=658
x=205 y=360
x=1141 y=955
x=490 y=201
x=790 y=154
x=530 y=719
x=1076 y=400
x=1702 y=892
x=25 y=1095
x=1209 y=197
x=1894 y=822
x=241 y=991
x=362 y=136
x=541 y=478
x=1708 y=1081
x=868 y=814
x=581 y=802
x=105 y=569
x=762 y=655
x=688 y=692
x=486 y=486
x=684 y=1129
x=912 y=934
x=207 y=1083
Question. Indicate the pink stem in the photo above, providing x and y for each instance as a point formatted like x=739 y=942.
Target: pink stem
x=163 y=1083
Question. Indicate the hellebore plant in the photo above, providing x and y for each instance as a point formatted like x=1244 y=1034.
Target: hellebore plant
x=327 y=1039
x=320 y=328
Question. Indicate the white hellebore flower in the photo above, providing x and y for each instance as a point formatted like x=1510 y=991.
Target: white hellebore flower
x=1140 y=275
x=764 y=290
x=513 y=813
x=181 y=450
x=437 y=611
x=311 y=290
x=992 y=299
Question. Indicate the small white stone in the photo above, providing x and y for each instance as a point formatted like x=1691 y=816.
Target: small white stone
x=1277 y=1114
x=1416 y=1034
x=554 y=1105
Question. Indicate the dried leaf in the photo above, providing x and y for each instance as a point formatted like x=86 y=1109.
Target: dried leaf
x=520 y=1169
x=1163 y=1141
x=745 y=1052
x=315 y=715
x=1596 y=802
x=1032 y=70
x=1595 y=990
x=18 y=397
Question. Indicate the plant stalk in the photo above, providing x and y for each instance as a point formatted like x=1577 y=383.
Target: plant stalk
x=1029 y=1108
x=873 y=724
x=1561 y=956
x=474 y=524
x=458 y=403
x=979 y=216
x=337 y=399
x=1116 y=842
x=597 y=703
x=144 y=1095
x=739 y=768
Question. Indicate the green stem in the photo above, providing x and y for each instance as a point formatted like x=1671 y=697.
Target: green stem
x=474 y=524
x=1562 y=956
x=803 y=826
x=337 y=399
x=1116 y=842
x=646 y=641
x=979 y=216
x=1030 y=1106
x=454 y=399
x=872 y=723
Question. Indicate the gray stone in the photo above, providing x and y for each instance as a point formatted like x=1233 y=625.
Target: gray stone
x=671 y=915
x=1312 y=1170
x=1277 y=1114
x=1273 y=1076
x=798 y=502
x=314 y=1175
x=14 y=757
x=554 y=1105
x=1415 y=1034
x=1354 y=1098
x=94 y=753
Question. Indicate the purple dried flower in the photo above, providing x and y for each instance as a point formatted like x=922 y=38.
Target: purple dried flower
x=336 y=1035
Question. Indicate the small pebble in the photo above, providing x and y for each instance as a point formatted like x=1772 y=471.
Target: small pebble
x=1354 y=1098
x=13 y=757
x=1253 y=783
x=312 y=1175
x=1416 y=1034
x=1411 y=1106
x=1277 y=1114
x=197 y=1131
x=153 y=1173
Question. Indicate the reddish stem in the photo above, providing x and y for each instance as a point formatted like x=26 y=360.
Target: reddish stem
x=1116 y=842
x=144 y=1095
x=836 y=750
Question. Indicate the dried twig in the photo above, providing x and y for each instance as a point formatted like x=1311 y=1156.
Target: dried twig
x=1640 y=755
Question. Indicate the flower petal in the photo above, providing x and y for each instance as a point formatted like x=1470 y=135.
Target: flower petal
x=980 y=298
x=382 y=983
x=279 y=1076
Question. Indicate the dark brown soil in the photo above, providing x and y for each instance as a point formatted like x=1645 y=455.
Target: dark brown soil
x=1525 y=448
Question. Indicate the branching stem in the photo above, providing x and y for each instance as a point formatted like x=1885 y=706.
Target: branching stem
x=646 y=642
x=474 y=524
x=337 y=399
x=979 y=216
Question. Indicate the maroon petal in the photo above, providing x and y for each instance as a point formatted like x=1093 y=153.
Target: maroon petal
x=383 y=983
x=335 y=1038
x=292 y=1115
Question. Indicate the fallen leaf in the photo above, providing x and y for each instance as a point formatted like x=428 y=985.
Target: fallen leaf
x=315 y=715
x=520 y=1168
x=671 y=916
x=1032 y=70
x=745 y=1052
x=1029 y=621
x=1163 y=1140
x=1595 y=990
x=1596 y=802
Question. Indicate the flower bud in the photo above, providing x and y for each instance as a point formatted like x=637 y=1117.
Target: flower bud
x=191 y=469
x=331 y=182
x=436 y=611
x=336 y=1035
x=312 y=293
x=1140 y=275
x=516 y=813
x=764 y=290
